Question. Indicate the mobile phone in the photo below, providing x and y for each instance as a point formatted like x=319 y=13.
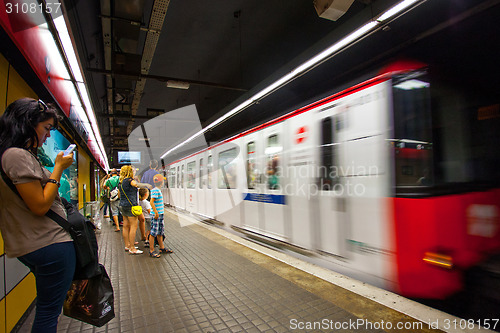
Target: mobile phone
x=69 y=150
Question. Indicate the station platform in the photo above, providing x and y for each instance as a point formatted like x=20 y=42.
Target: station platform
x=216 y=281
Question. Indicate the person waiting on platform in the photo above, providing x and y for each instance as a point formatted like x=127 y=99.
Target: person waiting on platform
x=104 y=197
x=157 y=225
x=110 y=185
x=128 y=198
x=147 y=177
x=145 y=217
x=27 y=192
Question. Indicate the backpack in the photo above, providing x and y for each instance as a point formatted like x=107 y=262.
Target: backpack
x=113 y=195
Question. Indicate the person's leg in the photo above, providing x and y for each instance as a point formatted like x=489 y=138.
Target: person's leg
x=152 y=234
x=114 y=212
x=142 y=226
x=132 y=231
x=105 y=209
x=126 y=232
x=53 y=267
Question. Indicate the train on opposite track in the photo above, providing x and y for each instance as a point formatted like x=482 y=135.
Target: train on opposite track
x=374 y=177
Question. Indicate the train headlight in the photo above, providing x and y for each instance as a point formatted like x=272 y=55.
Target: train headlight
x=438 y=259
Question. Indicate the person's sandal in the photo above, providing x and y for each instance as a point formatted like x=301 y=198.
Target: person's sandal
x=154 y=255
x=166 y=251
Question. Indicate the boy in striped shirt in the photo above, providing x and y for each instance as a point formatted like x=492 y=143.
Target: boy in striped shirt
x=157 y=225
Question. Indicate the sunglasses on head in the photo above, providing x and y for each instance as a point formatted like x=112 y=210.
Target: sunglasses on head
x=42 y=106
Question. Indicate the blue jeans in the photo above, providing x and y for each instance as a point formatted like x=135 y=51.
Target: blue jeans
x=105 y=208
x=53 y=267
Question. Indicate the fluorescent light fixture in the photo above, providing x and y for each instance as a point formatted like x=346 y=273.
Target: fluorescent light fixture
x=352 y=37
x=412 y=84
x=68 y=47
x=85 y=111
x=396 y=10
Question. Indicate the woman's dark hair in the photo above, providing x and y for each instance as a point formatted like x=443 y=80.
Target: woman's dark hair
x=17 y=124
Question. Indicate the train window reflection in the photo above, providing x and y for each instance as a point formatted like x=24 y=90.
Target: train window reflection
x=178 y=177
x=272 y=152
x=182 y=177
x=227 y=169
x=191 y=174
x=252 y=172
x=328 y=176
x=201 y=181
x=413 y=132
x=210 y=167
x=171 y=177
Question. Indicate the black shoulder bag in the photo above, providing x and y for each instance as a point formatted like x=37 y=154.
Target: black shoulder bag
x=82 y=232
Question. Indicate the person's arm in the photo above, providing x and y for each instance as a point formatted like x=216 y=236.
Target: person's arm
x=39 y=199
x=154 y=208
x=140 y=185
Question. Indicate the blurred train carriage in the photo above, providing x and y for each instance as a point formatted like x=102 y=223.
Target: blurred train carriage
x=359 y=177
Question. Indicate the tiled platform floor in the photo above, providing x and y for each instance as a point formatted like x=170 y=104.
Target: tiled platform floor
x=213 y=284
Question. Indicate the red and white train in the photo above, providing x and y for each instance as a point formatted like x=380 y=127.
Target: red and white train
x=353 y=177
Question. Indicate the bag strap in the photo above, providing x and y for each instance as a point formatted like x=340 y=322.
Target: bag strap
x=125 y=193
x=51 y=214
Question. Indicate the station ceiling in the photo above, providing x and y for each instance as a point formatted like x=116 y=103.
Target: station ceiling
x=225 y=50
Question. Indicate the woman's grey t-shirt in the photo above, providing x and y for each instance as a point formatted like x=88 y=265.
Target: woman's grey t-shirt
x=22 y=231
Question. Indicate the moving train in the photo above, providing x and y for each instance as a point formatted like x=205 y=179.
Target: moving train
x=361 y=178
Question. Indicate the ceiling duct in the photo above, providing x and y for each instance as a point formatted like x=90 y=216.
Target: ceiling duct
x=332 y=9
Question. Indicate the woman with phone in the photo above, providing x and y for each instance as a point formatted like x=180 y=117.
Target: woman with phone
x=27 y=192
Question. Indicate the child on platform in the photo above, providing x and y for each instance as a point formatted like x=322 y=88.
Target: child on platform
x=157 y=225
x=145 y=218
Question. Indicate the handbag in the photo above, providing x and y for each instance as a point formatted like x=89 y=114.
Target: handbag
x=113 y=195
x=80 y=229
x=91 y=300
x=136 y=210
x=104 y=196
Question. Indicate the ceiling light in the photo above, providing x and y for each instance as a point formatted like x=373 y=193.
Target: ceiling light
x=177 y=84
x=412 y=84
x=396 y=9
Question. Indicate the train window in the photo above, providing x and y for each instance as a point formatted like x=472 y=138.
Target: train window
x=227 y=169
x=328 y=176
x=178 y=177
x=210 y=168
x=272 y=152
x=412 y=130
x=182 y=177
x=191 y=174
x=252 y=171
x=171 y=177
x=201 y=181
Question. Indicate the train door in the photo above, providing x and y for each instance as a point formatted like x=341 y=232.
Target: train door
x=254 y=185
x=173 y=185
x=300 y=175
x=228 y=192
x=209 y=190
x=181 y=187
x=202 y=184
x=273 y=198
x=166 y=190
x=191 y=197
x=333 y=226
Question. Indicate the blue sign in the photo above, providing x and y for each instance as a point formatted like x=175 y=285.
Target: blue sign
x=266 y=198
